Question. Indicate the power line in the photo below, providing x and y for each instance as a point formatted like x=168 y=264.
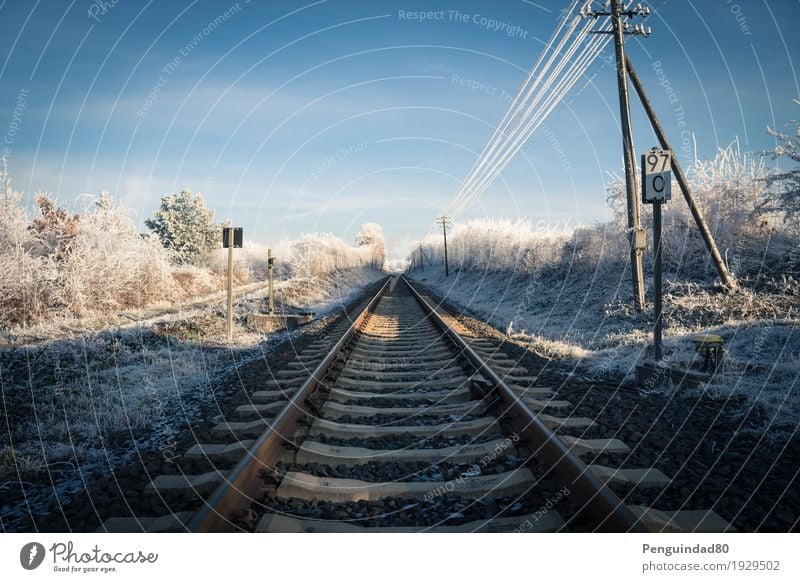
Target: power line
x=517 y=139
x=565 y=58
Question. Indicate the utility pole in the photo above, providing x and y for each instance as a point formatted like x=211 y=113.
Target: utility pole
x=728 y=280
x=229 y=319
x=445 y=222
x=269 y=279
x=637 y=235
x=231 y=237
x=421 y=259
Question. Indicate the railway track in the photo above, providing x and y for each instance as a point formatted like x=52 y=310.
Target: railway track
x=404 y=422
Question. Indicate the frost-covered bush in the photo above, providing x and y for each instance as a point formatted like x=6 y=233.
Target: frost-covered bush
x=320 y=254
x=195 y=281
x=496 y=245
x=310 y=255
x=61 y=265
x=733 y=190
x=783 y=193
x=371 y=236
x=112 y=266
x=590 y=247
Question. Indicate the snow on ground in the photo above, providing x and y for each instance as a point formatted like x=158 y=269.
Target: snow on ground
x=94 y=400
x=567 y=292
x=584 y=317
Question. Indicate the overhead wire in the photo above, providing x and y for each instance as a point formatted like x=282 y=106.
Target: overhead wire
x=565 y=58
x=518 y=138
x=530 y=115
x=550 y=92
x=516 y=105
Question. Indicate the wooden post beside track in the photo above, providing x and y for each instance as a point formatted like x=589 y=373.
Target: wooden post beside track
x=231 y=237
x=229 y=318
x=658 y=270
x=269 y=279
x=631 y=191
x=725 y=275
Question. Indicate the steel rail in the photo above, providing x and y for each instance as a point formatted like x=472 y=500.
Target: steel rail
x=605 y=510
x=243 y=483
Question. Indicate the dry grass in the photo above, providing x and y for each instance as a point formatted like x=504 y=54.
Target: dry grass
x=61 y=267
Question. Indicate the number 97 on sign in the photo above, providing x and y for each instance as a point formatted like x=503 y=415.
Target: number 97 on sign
x=656 y=176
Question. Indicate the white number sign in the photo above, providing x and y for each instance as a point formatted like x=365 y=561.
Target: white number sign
x=656 y=176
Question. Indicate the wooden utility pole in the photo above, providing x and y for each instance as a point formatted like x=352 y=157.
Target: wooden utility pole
x=631 y=191
x=421 y=259
x=269 y=280
x=725 y=275
x=229 y=320
x=231 y=237
x=444 y=221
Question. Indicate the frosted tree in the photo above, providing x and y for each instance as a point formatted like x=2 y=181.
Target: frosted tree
x=783 y=193
x=13 y=218
x=185 y=225
x=371 y=235
x=55 y=227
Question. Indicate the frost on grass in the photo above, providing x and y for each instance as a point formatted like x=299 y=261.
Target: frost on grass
x=80 y=402
x=77 y=407
x=59 y=267
x=566 y=292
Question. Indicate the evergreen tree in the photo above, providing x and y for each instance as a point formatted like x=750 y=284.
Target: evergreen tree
x=783 y=195
x=185 y=225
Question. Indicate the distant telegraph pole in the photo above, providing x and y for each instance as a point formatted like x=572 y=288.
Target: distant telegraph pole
x=445 y=222
x=619 y=29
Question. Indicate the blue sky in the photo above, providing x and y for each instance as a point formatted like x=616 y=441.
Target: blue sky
x=318 y=116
